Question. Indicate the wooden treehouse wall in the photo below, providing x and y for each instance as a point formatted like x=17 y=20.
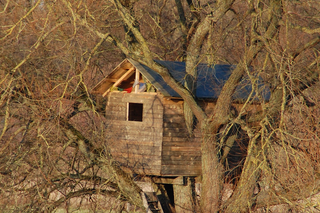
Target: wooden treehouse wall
x=157 y=145
x=135 y=144
x=181 y=154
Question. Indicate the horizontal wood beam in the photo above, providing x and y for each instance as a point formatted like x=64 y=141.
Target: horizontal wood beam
x=165 y=180
x=112 y=79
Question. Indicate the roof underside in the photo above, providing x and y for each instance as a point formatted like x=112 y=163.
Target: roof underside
x=110 y=79
x=209 y=82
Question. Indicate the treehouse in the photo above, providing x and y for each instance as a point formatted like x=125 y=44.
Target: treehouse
x=146 y=126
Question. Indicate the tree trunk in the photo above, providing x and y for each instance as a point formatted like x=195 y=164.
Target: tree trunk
x=243 y=198
x=211 y=172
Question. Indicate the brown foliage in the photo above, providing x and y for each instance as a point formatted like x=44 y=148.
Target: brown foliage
x=52 y=139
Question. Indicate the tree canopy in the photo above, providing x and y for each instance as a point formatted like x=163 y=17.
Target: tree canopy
x=52 y=140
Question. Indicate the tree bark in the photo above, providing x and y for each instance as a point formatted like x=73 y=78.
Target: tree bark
x=242 y=199
x=212 y=170
x=193 y=52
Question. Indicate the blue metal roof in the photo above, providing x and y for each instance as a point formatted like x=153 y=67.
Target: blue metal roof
x=209 y=82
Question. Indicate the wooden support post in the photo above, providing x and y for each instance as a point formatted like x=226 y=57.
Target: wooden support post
x=167 y=180
x=149 y=197
x=137 y=78
x=184 y=197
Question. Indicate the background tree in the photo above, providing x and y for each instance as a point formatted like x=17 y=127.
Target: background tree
x=52 y=140
x=52 y=53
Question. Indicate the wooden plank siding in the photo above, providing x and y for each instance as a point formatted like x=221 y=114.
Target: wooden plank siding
x=181 y=154
x=147 y=133
x=159 y=145
x=136 y=145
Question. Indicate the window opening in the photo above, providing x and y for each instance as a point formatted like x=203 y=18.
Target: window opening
x=135 y=112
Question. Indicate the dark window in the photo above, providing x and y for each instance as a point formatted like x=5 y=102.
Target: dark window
x=135 y=112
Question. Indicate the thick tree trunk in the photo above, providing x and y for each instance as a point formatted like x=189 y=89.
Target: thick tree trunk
x=211 y=167
x=243 y=198
x=211 y=172
x=192 y=61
